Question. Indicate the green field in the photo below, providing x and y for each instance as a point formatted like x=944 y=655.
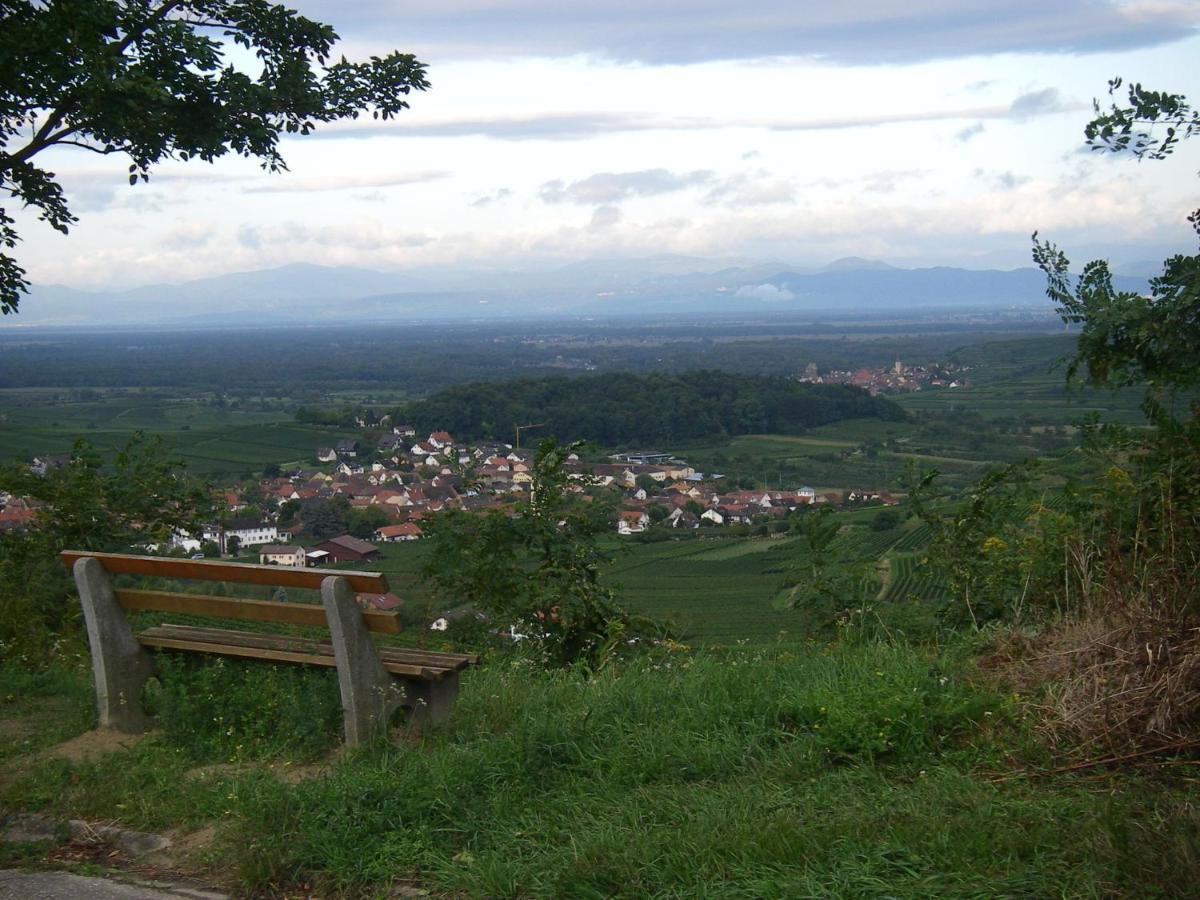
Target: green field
x=211 y=437
x=867 y=454
x=715 y=589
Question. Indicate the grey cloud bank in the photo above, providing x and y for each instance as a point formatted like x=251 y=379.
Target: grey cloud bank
x=676 y=31
x=583 y=125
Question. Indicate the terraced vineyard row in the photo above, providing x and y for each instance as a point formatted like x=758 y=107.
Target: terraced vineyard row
x=868 y=544
x=915 y=539
x=716 y=592
x=913 y=581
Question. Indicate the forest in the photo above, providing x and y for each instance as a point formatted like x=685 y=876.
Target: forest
x=622 y=408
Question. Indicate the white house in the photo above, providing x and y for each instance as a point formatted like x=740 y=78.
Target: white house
x=632 y=521
x=249 y=533
x=281 y=555
x=394 y=533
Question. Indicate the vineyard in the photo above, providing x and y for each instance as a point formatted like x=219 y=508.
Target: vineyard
x=911 y=579
x=210 y=440
x=860 y=543
x=913 y=540
x=718 y=589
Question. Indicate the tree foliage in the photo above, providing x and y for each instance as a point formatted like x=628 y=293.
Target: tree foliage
x=138 y=499
x=1127 y=338
x=624 y=408
x=157 y=79
x=1127 y=539
x=1124 y=539
x=538 y=569
x=1149 y=127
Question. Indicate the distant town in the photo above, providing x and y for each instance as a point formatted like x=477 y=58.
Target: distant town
x=897 y=378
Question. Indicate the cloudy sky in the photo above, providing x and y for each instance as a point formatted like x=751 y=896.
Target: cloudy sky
x=796 y=131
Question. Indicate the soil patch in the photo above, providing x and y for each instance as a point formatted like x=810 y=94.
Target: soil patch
x=93 y=744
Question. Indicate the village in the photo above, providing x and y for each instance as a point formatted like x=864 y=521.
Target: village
x=366 y=493
x=390 y=490
x=897 y=378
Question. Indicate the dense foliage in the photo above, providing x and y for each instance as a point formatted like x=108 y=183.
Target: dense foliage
x=1112 y=562
x=536 y=572
x=153 y=80
x=658 y=408
x=138 y=498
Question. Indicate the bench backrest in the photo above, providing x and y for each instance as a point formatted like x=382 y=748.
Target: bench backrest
x=308 y=614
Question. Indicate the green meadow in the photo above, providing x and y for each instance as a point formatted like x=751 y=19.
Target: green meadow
x=209 y=435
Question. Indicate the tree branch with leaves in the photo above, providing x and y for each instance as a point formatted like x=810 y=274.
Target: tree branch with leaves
x=153 y=80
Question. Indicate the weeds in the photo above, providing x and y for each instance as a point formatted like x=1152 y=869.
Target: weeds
x=795 y=770
x=231 y=710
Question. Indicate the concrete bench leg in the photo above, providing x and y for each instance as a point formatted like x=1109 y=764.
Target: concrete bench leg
x=430 y=701
x=369 y=693
x=119 y=663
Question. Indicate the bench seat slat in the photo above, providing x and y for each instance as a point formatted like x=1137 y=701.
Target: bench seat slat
x=277 y=647
x=259 y=653
x=450 y=662
x=247 y=610
x=453 y=662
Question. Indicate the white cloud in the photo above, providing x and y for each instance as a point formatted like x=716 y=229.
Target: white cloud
x=969 y=132
x=604 y=218
x=769 y=292
x=583 y=125
x=188 y=236
x=1039 y=103
x=494 y=197
x=363 y=236
x=285 y=184
x=612 y=187
x=751 y=189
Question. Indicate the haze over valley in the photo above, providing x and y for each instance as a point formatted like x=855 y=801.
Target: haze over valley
x=684 y=287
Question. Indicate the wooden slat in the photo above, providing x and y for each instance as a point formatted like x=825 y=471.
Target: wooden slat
x=248 y=610
x=240 y=638
x=207 y=570
x=455 y=661
x=271 y=647
x=259 y=653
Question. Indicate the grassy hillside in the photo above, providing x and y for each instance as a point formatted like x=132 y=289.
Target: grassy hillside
x=864 y=770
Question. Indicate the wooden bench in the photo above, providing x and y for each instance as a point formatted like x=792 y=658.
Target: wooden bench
x=374 y=681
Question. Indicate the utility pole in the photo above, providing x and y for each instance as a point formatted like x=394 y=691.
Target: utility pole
x=521 y=428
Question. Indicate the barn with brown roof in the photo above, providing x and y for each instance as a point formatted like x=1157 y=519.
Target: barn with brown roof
x=347 y=548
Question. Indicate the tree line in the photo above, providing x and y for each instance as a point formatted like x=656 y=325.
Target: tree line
x=623 y=408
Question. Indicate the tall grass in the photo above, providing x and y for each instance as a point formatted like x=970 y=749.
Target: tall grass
x=673 y=776
x=857 y=769
x=235 y=710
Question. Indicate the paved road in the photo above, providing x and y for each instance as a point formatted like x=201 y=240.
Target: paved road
x=65 y=886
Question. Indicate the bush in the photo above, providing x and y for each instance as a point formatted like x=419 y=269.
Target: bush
x=885 y=520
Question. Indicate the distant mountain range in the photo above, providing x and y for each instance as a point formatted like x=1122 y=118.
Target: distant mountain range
x=657 y=285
